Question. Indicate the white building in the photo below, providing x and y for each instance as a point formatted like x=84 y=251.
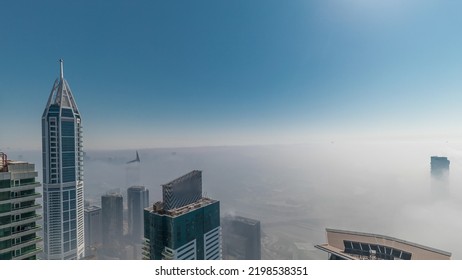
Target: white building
x=62 y=153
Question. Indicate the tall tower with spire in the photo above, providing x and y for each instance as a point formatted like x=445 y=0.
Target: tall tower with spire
x=63 y=204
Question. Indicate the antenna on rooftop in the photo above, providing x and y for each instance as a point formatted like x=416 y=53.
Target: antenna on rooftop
x=61 y=65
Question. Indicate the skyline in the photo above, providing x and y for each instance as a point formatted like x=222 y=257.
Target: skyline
x=170 y=74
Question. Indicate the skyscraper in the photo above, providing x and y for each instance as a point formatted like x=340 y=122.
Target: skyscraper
x=93 y=228
x=242 y=238
x=63 y=227
x=138 y=199
x=439 y=167
x=18 y=228
x=186 y=225
x=112 y=213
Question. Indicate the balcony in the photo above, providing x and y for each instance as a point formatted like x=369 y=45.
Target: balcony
x=28 y=254
x=22 y=244
x=21 y=210
x=26 y=197
x=17 y=234
x=146 y=255
x=22 y=187
x=22 y=221
x=167 y=255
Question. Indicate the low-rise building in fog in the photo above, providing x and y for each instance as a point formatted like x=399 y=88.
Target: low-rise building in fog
x=350 y=245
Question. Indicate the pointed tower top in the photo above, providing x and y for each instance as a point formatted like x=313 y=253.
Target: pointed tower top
x=61 y=62
x=61 y=93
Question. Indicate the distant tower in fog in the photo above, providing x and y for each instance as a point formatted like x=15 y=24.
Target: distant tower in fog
x=93 y=234
x=137 y=200
x=241 y=238
x=439 y=176
x=439 y=167
x=112 y=222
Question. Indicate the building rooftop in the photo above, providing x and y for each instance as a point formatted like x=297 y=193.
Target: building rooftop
x=204 y=201
x=182 y=178
x=182 y=191
x=112 y=194
x=137 y=188
x=92 y=208
x=15 y=169
x=61 y=94
x=358 y=245
x=244 y=220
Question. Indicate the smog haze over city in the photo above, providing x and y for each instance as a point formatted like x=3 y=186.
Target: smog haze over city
x=304 y=115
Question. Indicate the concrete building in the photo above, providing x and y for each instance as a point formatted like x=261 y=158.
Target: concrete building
x=63 y=205
x=241 y=238
x=186 y=225
x=350 y=245
x=93 y=229
x=112 y=223
x=18 y=217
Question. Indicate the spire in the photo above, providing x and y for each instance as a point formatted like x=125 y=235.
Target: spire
x=61 y=93
x=61 y=61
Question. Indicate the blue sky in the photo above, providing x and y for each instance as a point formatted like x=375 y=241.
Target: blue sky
x=198 y=73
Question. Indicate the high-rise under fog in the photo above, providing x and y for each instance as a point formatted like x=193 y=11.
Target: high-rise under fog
x=137 y=200
x=185 y=225
x=62 y=155
x=112 y=224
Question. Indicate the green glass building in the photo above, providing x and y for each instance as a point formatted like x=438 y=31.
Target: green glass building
x=186 y=225
x=18 y=217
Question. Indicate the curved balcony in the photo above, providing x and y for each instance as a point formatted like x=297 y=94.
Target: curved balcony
x=22 y=221
x=28 y=254
x=26 y=197
x=22 y=187
x=21 y=245
x=26 y=231
x=21 y=210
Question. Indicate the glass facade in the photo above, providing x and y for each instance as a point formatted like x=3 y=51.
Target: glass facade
x=173 y=232
x=62 y=175
x=137 y=200
x=112 y=223
x=18 y=217
x=184 y=225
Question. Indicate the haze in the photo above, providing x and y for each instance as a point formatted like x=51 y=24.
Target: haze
x=296 y=191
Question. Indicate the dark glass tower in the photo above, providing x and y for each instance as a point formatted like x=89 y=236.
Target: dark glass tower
x=186 y=225
x=93 y=229
x=138 y=199
x=62 y=155
x=242 y=238
x=112 y=224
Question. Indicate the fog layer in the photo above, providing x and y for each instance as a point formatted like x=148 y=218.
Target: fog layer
x=297 y=191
